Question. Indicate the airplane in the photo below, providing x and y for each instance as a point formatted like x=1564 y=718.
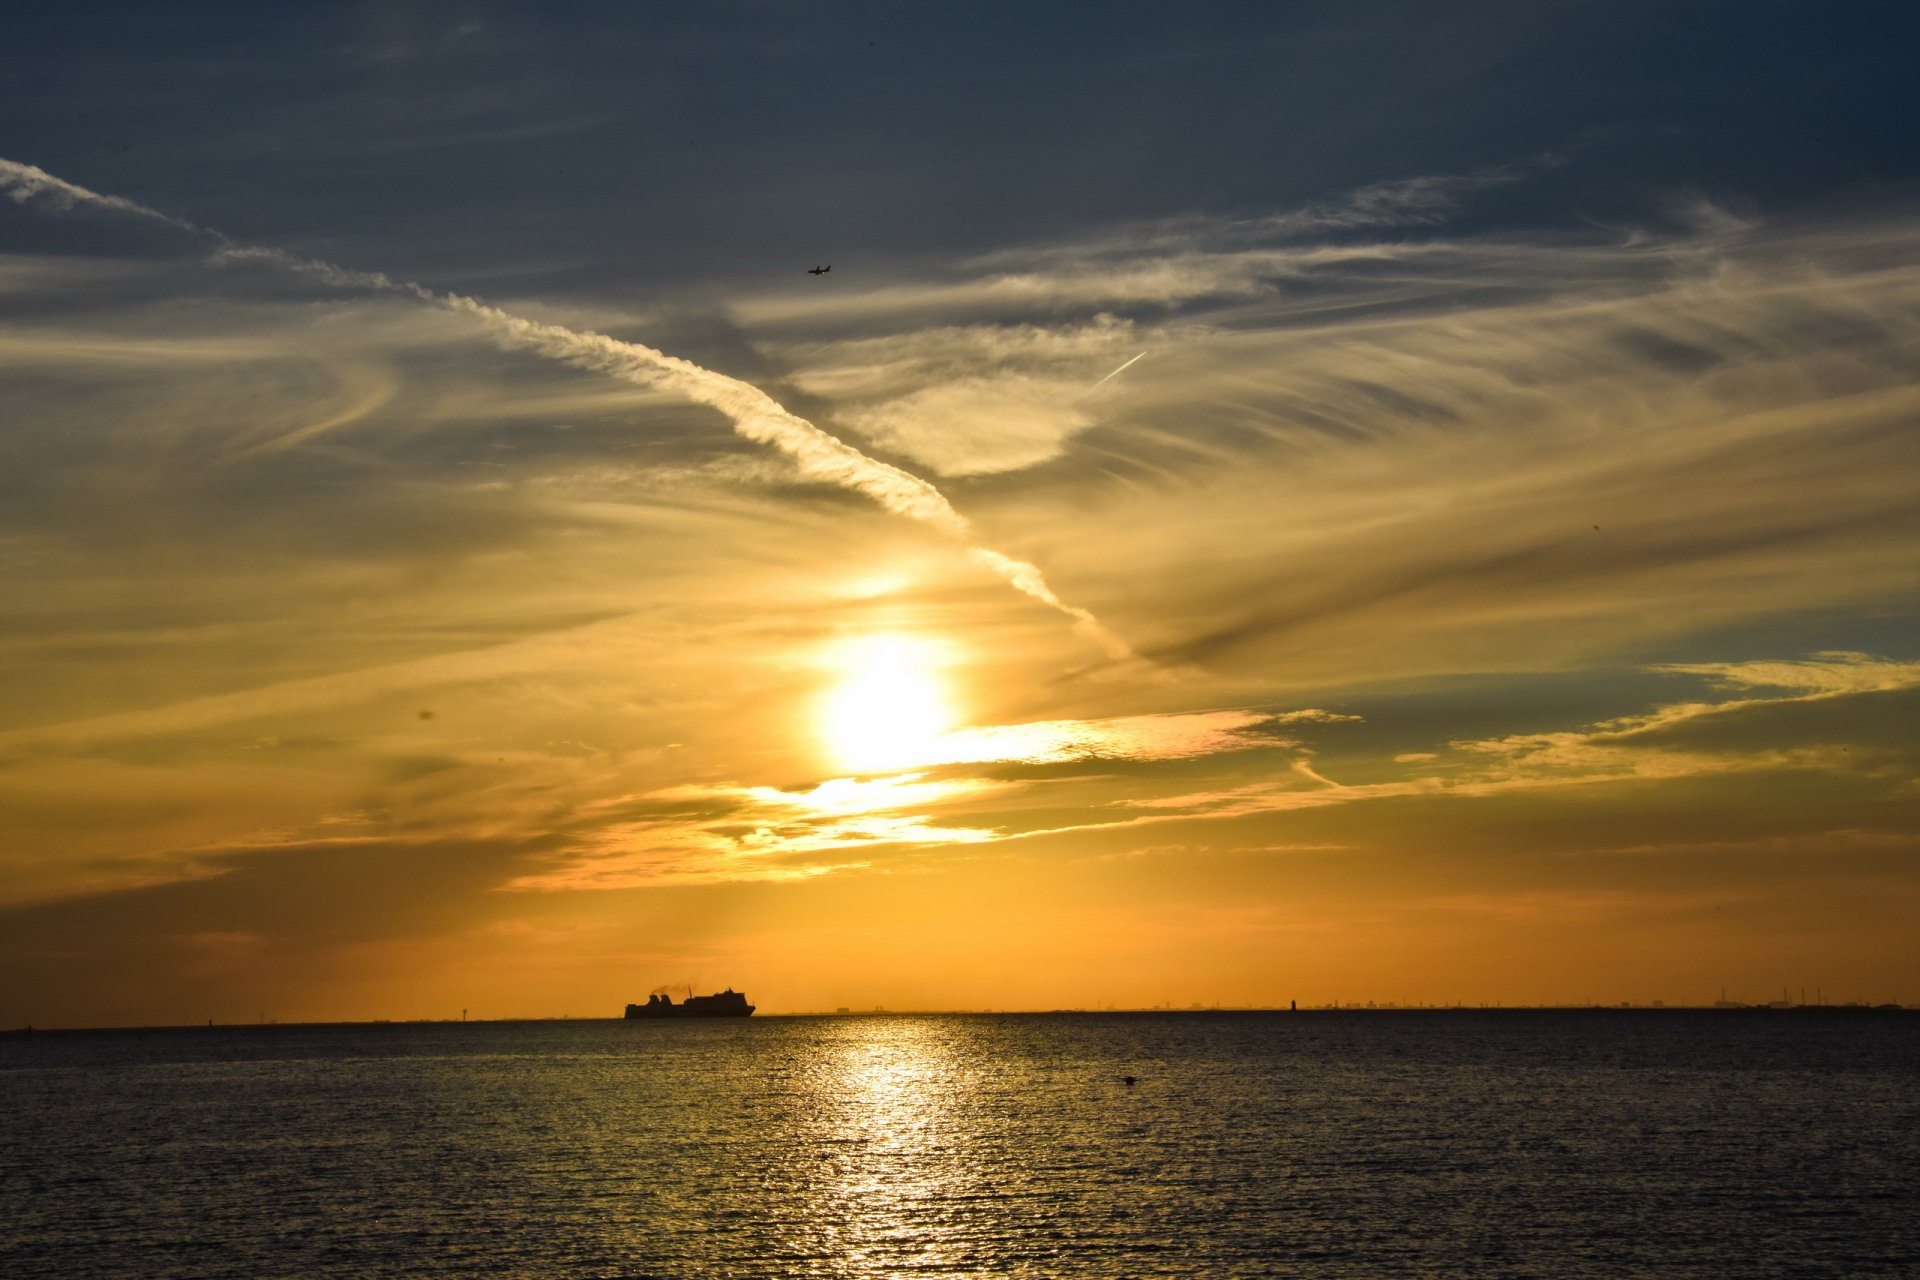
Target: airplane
x=820 y=271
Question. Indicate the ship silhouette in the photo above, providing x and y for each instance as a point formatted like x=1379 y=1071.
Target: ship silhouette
x=724 y=1004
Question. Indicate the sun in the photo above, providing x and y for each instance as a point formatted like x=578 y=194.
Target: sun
x=889 y=706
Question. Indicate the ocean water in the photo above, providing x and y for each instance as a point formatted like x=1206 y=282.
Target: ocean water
x=1600 y=1143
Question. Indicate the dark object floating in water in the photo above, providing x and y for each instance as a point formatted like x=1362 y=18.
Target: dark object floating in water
x=726 y=1004
x=1129 y=1081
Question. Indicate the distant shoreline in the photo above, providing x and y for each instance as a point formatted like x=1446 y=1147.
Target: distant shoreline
x=1770 y=1010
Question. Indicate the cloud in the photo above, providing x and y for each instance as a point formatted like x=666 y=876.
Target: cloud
x=30 y=184
x=718 y=835
x=1648 y=744
x=245 y=518
x=1830 y=674
x=1624 y=750
x=977 y=426
x=1081 y=279
x=1373 y=435
x=1837 y=842
x=1517 y=468
x=967 y=399
x=1364 y=438
x=1314 y=715
x=704 y=834
x=1166 y=263
x=1154 y=737
x=700 y=834
x=755 y=415
x=983 y=398
x=819 y=455
x=1562 y=908
x=1820 y=678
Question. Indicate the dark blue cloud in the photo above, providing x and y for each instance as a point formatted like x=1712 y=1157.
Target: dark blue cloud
x=627 y=146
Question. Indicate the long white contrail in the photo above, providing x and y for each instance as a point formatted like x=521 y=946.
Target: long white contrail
x=755 y=415
x=26 y=183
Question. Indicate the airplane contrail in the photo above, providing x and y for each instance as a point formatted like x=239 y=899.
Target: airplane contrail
x=25 y=183
x=818 y=454
x=1110 y=377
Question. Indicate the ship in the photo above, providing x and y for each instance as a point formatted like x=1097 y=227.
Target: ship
x=723 y=1004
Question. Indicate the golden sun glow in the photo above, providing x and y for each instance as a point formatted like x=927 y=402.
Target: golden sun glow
x=890 y=705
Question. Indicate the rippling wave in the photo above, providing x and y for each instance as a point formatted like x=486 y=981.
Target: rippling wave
x=1365 y=1144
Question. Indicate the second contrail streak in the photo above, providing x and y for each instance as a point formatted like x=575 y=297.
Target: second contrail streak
x=1110 y=377
x=755 y=415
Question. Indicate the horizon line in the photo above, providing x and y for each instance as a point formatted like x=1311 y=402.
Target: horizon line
x=1729 y=1006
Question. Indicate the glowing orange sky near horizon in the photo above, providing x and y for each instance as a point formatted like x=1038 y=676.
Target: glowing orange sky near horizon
x=1544 y=640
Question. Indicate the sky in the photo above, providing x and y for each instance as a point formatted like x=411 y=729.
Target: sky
x=1320 y=502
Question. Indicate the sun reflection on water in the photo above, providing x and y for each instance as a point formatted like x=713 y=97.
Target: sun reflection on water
x=894 y=1102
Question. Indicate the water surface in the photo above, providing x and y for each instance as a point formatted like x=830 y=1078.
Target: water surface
x=1582 y=1143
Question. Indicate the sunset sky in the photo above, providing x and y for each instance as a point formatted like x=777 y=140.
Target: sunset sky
x=1317 y=501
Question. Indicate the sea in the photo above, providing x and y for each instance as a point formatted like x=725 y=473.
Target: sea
x=1749 y=1143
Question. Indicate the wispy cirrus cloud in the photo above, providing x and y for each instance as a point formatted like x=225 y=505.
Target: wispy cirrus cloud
x=690 y=834
x=1362 y=446
x=1154 y=737
x=1632 y=750
x=1836 y=673
x=711 y=834
x=1645 y=739
x=1790 y=844
x=729 y=834
x=818 y=454
x=1549 y=443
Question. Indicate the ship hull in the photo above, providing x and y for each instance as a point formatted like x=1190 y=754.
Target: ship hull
x=727 y=1004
